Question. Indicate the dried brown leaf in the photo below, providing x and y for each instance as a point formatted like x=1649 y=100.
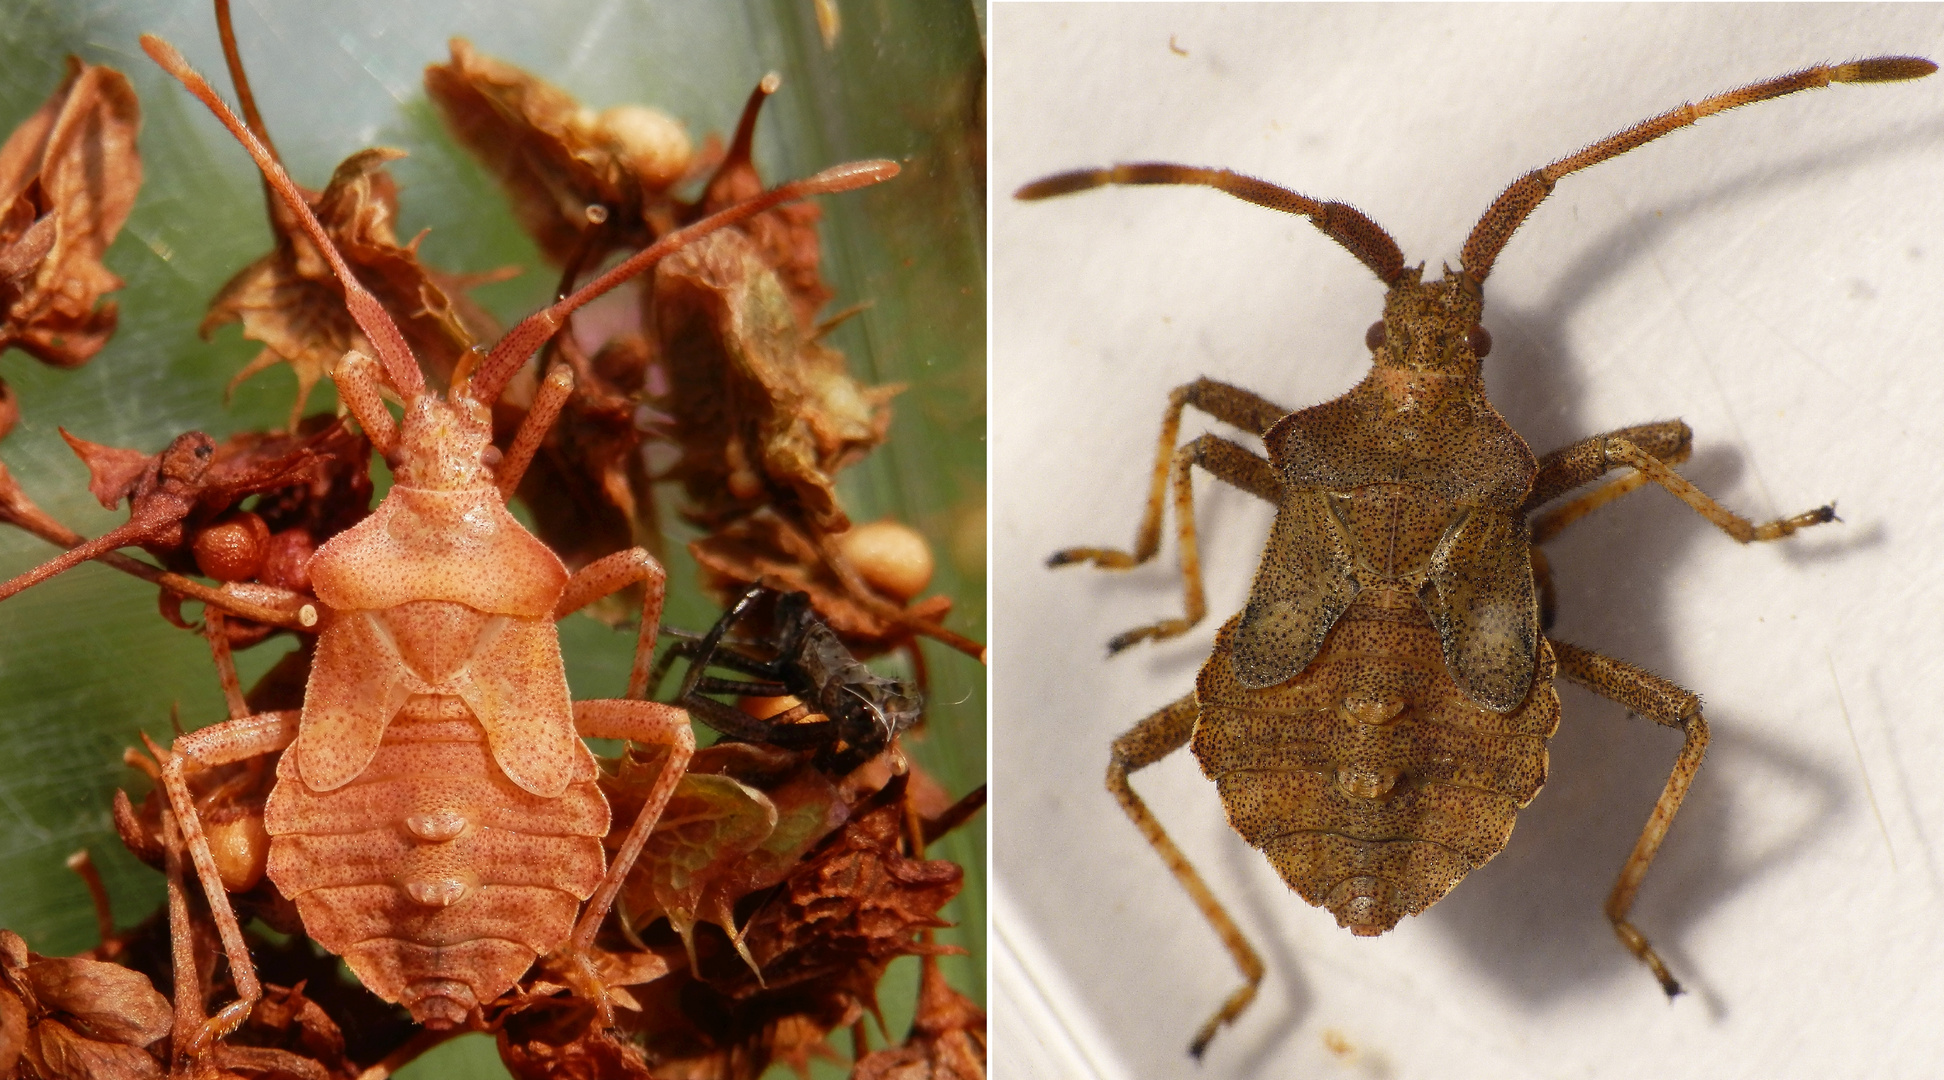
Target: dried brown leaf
x=287 y=1022
x=21 y=259
x=57 y=1052
x=765 y=414
x=709 y=823
x=590 y=1055
x=557 y=158
x=13 y=950
x=113 y=472
x=68 y=178
x=13 y=1030
x=852 y=905
x=719 y=838
x=785 y=239
x=947 y=1041
x=292 y=302
x=107 y=1002
x=807 y=810
x=267 y=1063
x=794 y=1040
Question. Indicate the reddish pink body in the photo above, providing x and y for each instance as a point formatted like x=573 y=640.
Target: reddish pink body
x=437 y=821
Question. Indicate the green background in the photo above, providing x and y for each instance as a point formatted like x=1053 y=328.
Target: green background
x=85 y=661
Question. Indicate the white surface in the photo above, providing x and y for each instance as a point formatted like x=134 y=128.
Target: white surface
x=1774 y=275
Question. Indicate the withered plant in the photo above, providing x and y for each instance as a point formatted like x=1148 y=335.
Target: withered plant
x=725 y=363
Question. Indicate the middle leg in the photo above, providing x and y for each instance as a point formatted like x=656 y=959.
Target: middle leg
x=629 y=718
x=1650 y=450
x=608 y=575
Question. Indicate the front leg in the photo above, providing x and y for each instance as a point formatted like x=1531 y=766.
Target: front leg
x=1230 y=404
x=1586 y=461
x=609 y=575
x=1223 y=459
x=1649 y=450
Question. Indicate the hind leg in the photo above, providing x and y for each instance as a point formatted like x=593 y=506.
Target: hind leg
x=1667 y=704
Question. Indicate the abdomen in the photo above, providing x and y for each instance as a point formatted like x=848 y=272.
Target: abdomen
x=1371 y=782
x=435 y=877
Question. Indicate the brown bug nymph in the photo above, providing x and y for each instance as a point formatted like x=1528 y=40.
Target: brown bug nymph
x=1378 y=712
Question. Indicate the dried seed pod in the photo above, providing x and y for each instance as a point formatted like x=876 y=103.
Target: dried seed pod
x=232 y=548
x=891 y=556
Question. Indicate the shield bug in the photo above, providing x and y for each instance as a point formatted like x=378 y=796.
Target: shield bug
x=1234 y=283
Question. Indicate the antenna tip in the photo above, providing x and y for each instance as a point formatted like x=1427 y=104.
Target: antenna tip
x=1883 y=69
x=1066 y=183
x=162 y=52
x=850 y=176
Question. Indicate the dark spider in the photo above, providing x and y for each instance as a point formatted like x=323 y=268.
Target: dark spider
x=862 y=710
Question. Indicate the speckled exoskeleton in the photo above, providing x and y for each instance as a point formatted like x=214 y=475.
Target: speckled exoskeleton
x=1378 y=712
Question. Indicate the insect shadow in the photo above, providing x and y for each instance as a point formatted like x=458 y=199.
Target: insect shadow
x=1524 y=916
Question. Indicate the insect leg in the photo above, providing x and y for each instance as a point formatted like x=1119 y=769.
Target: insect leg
x=356 y=378
x=710 y=684
x=1667 y=704
x=220 y=744
x=1142 y=745
x=609 y=575
x=1229 y=404
x=1743 y=530
x=1222 y=459
x=1586 y=461
x=774 y=731
x=219 y=651
x=642 y=722
x=190 y=1023
x=1582 y=463
x=552 y=396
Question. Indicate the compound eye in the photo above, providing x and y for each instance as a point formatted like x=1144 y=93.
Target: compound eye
x=1479 y=340
x=1374 y=337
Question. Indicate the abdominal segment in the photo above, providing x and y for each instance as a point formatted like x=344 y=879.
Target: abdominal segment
x=436 y=878
x=1371 y=780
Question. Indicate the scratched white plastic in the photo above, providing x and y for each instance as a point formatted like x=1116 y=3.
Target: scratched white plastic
x=1774 y=275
